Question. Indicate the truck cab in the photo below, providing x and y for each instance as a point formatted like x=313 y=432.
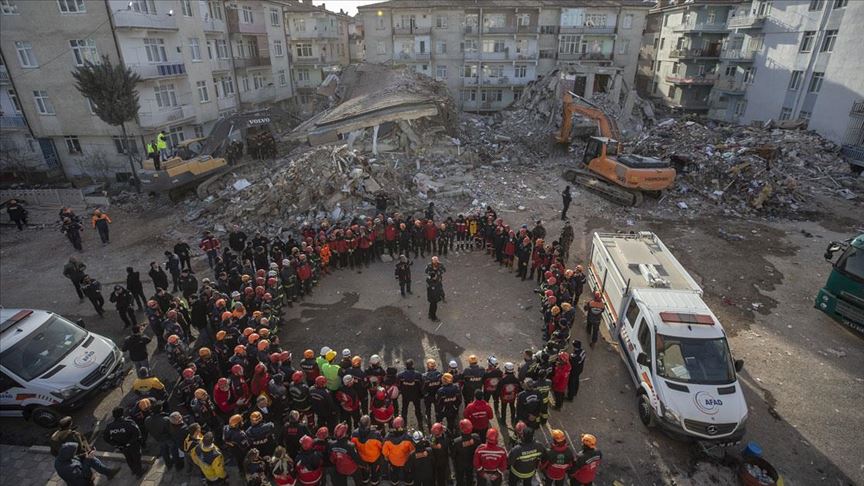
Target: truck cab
x=49 y=364
x=842 y=297
x=680 y=361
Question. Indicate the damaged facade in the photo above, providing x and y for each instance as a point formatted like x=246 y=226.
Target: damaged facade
x=487 y=51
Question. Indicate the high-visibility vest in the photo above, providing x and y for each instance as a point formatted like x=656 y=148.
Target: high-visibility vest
x=160 y=142
x=151 y=148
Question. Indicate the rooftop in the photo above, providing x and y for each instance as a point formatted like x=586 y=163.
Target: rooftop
x=463 y=4
x=670 y=5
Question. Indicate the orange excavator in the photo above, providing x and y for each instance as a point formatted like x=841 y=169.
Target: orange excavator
x=605 y=170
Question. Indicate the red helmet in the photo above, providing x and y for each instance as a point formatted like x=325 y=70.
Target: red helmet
x=551 y=300
x=260 y=368
x=340 y=431
x=597 y=296
x=267 y=297
x=492 y=436
x=547 y=274
x=188 y=373
x=549 y=293
x=297 y=377
x=260 y=273
x=260 y=290
x=465 y=426
x=248 y=290
x=248 y=331
x=437 y=429
x=398 y=423
x=306 y=443
x=322 y=433
x=519 y=427
x=274 y=357
x=222 y=382
x=320 y=382
x=285 y=356
x=551 y=281
x=272 y=281
x=237 y=370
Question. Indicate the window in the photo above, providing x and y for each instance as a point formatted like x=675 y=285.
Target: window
x=194 y=49
x=829 y=40
x=469 y=95
x=25 y=55
x=123 y=146
x=549 y=29
x=155 y=49
x=627 y=21
x=493 y=45
x=568 y=44
x=222 y=48
x=165 y=96
x=84 y=50
x=379 y=24
x=816 y=5
x=13 y=97
x=175 y=136
x=740 y=106
x=632 y=312
x=274 y=17
x=712 y=16
x=246 y=17
x=491 y=95
x=8 y=7
x=73 y=145
x=441 y=22
x=283 y=79
x=523 y=20
x=258 y=81
x=71 y=6
x=203 y=95
x=470 y=45
x=440 y=47
x=795 y=80
x=304 y=50
x=441 y=71
x=675 y=68
x=302 y=75
x=380 y=48
x=785 y=114
x=623 y=46
x=730 y=71
x=143 y=6
x=595 y=20
x=662 y=43
x=493 y=71
x=214 y=8
x=245 y=83
x=277 y=48
x=469 y=71
x=816 y=82
x=807 y=41
x=804 y=115
x=227 y=86
x=644 y=336
x=840 y=3
x=43 y=104
x=520 y=71
x=186 y=7
x=407 y=22
x=547 y=54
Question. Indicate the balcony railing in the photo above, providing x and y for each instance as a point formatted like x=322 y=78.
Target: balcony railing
x=737 y=54
x=315 y=34
x=470 y=81
x=158 y=119
x=129 y=19
x=585 y=56
x=252 y=62
x=854 y=152
x=213 y=25
x=528 y=29
x=161 y=70
x=857 y=109
x=700 y=27
x=488 y=56
x=746 y=22
x=411 y=30
x=506 y=29
x=705 y=80
x=235 y=26
x=731 y=85
x=226 y=103
x=586 y=29
x=220 y=64
x=4 y=75
x=12 y=121
x=306 y=61
x=694 y=53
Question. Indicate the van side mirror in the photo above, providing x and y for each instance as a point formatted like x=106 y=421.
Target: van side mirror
x=739 y=365
x=833 y=247
x=80 y=322
x=642 y=359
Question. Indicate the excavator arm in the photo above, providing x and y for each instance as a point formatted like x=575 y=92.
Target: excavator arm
x=608 y=127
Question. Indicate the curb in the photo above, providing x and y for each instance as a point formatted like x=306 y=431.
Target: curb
x=107 y=456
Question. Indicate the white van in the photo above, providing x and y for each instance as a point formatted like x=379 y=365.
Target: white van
x=49 y=364
x=673 y=345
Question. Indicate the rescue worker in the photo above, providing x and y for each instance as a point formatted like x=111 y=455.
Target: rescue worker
x=123 y=301
x=72 y=229
x=329 y=369
x=508 y=389
x=147 y=385
x=431 y=384
x=74 y=271
x=434 y=294
x=235 y=440
x=381 y=408
x=100 y=222
x=464 y=446
x=293 y=430
x=566 y=199
x=422 y=462
x=565 y=240
x=490 y=461
x=153 y=153
x=17 y=214
x=323 y=405
x=491 y=377
x=441 y=445
x=557 y=459
x=209 y=459
x=577 y=283
x=282 y=468
x=162 y=145
x=411 y=389
x=397 y=450
x=342 y=455
x=348 y=401
x=524 y=459
x=447 y=401
x=587 y=461
x=479 y=413
x=593 y=315
x=159 y=428
x=529 y=404
x=472 y=379
x=403 y=274
x=561 y=378
x=369 y=444
x=124 y=434
x=260 y=434
x=309 y=367
x=301 y=397
x=309 y=463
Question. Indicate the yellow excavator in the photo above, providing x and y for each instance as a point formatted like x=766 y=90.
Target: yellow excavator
x=605 y=170
x=201 y=159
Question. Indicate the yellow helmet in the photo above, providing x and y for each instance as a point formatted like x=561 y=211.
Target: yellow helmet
x=447 y=378
x=589 y=440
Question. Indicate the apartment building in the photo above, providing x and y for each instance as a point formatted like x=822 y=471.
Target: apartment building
x=319 y=45
x=197 y=60
x=357 y=40
x=687 y=38
x=488 y=50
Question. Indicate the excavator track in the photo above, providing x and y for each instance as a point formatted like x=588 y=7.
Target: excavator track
x=604 y=188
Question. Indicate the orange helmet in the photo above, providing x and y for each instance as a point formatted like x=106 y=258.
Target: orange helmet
x=253 y=338
x=200 y=394
x=263 y=345
x=308 y=354
x=256 y=417
x=264 y=332
x=248 y=331
x=144 y=404
x=447 y=378
x=235 y=420
x=558 y=436
x=589 y=440
x=221 y=335
x=173 y=339
x=239 y=349
x=226 y=315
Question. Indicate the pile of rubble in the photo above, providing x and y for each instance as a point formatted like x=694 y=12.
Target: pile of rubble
x=747 y=170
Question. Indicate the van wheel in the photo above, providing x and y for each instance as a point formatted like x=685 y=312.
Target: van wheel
x=645 y=414
x=44 y=417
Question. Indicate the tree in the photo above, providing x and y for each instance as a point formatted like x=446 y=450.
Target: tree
x=111 y=89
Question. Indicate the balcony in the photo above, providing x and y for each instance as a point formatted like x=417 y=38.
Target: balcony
x=315 y=34
x=235 y=26
x=227 y=103
x=471 y=30
x=706 y=80
x=586 y=29
x=528 y=29
x=213 y=25
x=309 y=61
x=470 y=81
x=158 y=71
x=411 y=30
x=12 y=122
x=252 y=62
x=220 y=65
x=129 y=19
x=852 y=152
x=694 y=53
x=857 y=109
x=4 y=75
x=488 y=56
x=695 y=27
x=169 y=116
x=585 y=56
x=737 y=55
x=746 y=22
x=503 y=30
x=731 y=86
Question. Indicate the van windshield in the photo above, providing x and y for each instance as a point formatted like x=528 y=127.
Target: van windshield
x=43 y=348
x=698 y=361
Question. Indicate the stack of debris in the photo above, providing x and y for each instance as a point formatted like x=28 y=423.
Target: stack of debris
x=746 y=170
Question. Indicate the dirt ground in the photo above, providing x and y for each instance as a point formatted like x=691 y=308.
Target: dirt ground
x=803 y=377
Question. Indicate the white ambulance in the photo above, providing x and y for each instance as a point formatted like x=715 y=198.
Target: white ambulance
x=49 y=364
x=673 y=345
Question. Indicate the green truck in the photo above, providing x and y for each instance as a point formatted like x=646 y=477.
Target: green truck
x=842 y=297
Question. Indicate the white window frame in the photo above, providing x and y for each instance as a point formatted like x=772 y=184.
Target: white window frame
x=246 y=17
x=147 y=7
x=795 y=80
x=203 y=94
x=84 y=50
x=520 y=71
x=440 y=47
x=186 y=7
x=214 y=9
x=222 y=51
x=71 y=6
x=175 y=136
x=16 y=103
x=73 y=144
x=274 y=17
x=300 y=25
x=816 y=81
x=304 y=50
x=568 y=44
x=303 y=75
x=245 y=83
x=278 y=51
x=195 y=49
x=166 y=96
x=523 y=20
x=283 y=78
x=25 y=55
x=154 y=48
x=43 y=102
x=258 y=81
x=91 y=107
x=441 y=71
x=807 y=41
x=828 y=41
x=440 y=21
x=227 y=86
x=785 y=113
x=122 y=146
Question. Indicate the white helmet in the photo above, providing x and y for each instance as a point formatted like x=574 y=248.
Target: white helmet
x=492 y=360
x=375 y=359
x=508 y=367
x=286 y=262
x=346 y=353
x=325 y=350
x=417 y=436
x=347 y=380
x=453 y=364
